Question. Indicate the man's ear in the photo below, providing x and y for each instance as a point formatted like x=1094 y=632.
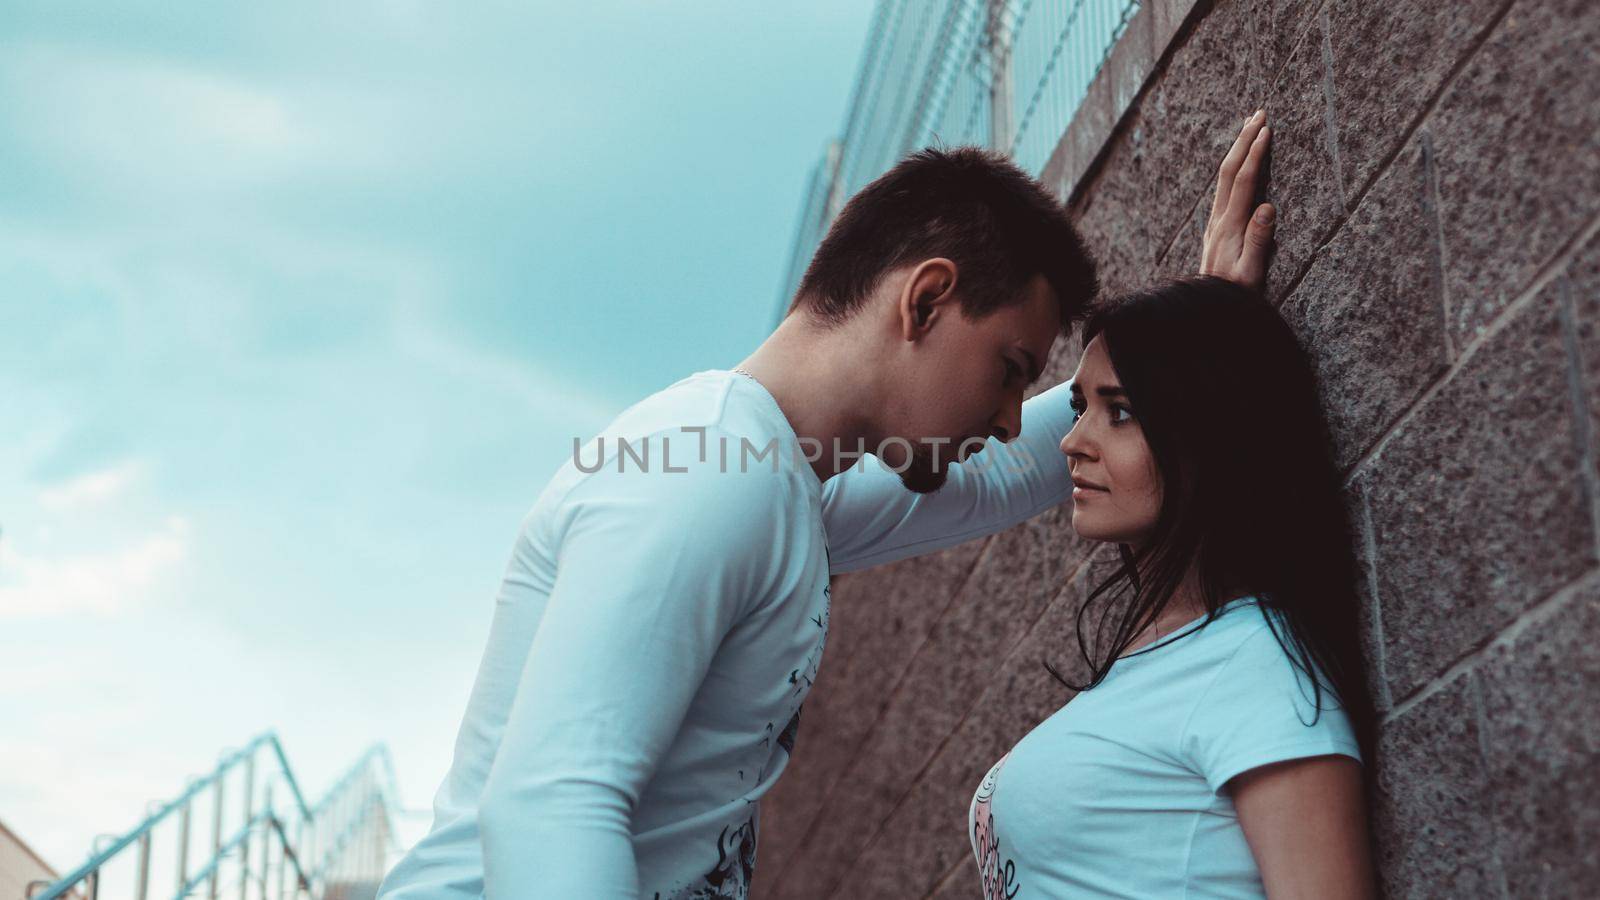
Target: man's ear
x=926 y=296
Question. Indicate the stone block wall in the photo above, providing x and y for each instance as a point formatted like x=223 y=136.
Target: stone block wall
x=1437 y=171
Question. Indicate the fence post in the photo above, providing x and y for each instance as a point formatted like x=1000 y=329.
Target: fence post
x=998 y=31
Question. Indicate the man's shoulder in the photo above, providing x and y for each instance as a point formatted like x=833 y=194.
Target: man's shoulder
x=700 y=399
x=705 y=444
x=712 y=402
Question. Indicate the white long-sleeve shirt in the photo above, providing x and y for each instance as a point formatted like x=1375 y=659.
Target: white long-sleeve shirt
x=656 y=633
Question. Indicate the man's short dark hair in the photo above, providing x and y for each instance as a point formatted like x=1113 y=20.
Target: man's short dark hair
x=969 y=205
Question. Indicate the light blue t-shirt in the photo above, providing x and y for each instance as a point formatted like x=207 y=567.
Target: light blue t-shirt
x=658 y=627
x=1120 y=792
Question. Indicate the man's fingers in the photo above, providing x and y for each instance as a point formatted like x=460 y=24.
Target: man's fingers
x=1243 y=196
x=1234 y=159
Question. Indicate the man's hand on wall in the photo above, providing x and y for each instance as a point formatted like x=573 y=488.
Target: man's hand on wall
x=1238 y=237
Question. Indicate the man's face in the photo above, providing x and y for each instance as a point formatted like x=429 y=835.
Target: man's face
x=963 y=383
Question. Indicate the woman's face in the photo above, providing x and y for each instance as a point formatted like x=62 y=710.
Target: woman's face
x=1116 y=494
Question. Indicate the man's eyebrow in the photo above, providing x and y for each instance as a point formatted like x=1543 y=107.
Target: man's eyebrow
x=1033 y=365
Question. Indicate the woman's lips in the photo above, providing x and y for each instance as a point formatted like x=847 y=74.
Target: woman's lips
x=1082 y=489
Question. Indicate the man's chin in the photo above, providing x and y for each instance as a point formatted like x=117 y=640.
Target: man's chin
x=923 y=478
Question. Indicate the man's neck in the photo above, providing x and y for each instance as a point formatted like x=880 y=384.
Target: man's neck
x=816 y=377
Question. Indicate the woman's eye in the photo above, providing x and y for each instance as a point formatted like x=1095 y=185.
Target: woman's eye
x=1078 y=409
x=1012 y=370
x=1120 y=414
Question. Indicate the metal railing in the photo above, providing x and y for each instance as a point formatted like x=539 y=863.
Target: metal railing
x=280 y=846
x=1003 y=74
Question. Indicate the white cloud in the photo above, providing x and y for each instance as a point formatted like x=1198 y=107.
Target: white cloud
x=557 y=398
x=70 y=795
x=151 y=121
x=172 y=134
x=106 y=582
x=92 y=488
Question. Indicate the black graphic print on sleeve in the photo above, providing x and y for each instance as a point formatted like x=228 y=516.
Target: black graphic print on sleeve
x=730 y=878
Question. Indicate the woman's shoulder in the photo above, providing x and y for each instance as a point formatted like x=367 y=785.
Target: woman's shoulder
x=1235 y=624
x=1258 y=656
x=1241 y=636
x=1261 y=707
x=1251 y=640
x=1249 y=627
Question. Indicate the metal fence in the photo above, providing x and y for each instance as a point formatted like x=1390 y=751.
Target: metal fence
x=245 y=830
x=1004 y=74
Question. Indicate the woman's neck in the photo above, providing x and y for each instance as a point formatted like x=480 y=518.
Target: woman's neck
x=1186 y=604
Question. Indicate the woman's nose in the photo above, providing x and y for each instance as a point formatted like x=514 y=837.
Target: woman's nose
x=1074 y=443
x=1068 y=443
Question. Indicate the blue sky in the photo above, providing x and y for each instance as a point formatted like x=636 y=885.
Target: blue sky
x=303 y=303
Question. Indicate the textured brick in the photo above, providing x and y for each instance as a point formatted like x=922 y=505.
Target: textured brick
x=1060 y=640
x=960 y=883
x=1111 y=217
x=1543 y=725
x=1518 y=139
x=1182 y=257
x=1472 y=503
x=1431 y=813
x=820 y=753
x=1477 y=506
x=1389 y=60
x=1369 y=311
x=880 y=617
x=1190 y=117
x=791 y=806
x=888 y=617
x=927 y=833
x=1149 y=181
x=1583 y=289
x=787 y=812
x=1277 y=26
x=1020 y=571
x=1370 y=616
x=1303 y=180
x=1113 y=91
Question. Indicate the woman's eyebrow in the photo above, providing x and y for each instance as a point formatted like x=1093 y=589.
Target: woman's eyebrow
x=1114 y=390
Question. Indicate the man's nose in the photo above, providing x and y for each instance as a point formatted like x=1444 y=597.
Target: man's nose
x=1008 y=425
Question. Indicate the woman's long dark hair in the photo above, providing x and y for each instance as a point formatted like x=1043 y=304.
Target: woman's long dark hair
x=1251 y=498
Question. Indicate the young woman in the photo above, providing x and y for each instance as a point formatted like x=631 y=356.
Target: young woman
x=1226 y=700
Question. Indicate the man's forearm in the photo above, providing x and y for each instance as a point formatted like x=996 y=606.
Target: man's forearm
x=559 y=839
x=872 y=519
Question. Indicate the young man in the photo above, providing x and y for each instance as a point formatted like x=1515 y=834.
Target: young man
x=666 y=606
